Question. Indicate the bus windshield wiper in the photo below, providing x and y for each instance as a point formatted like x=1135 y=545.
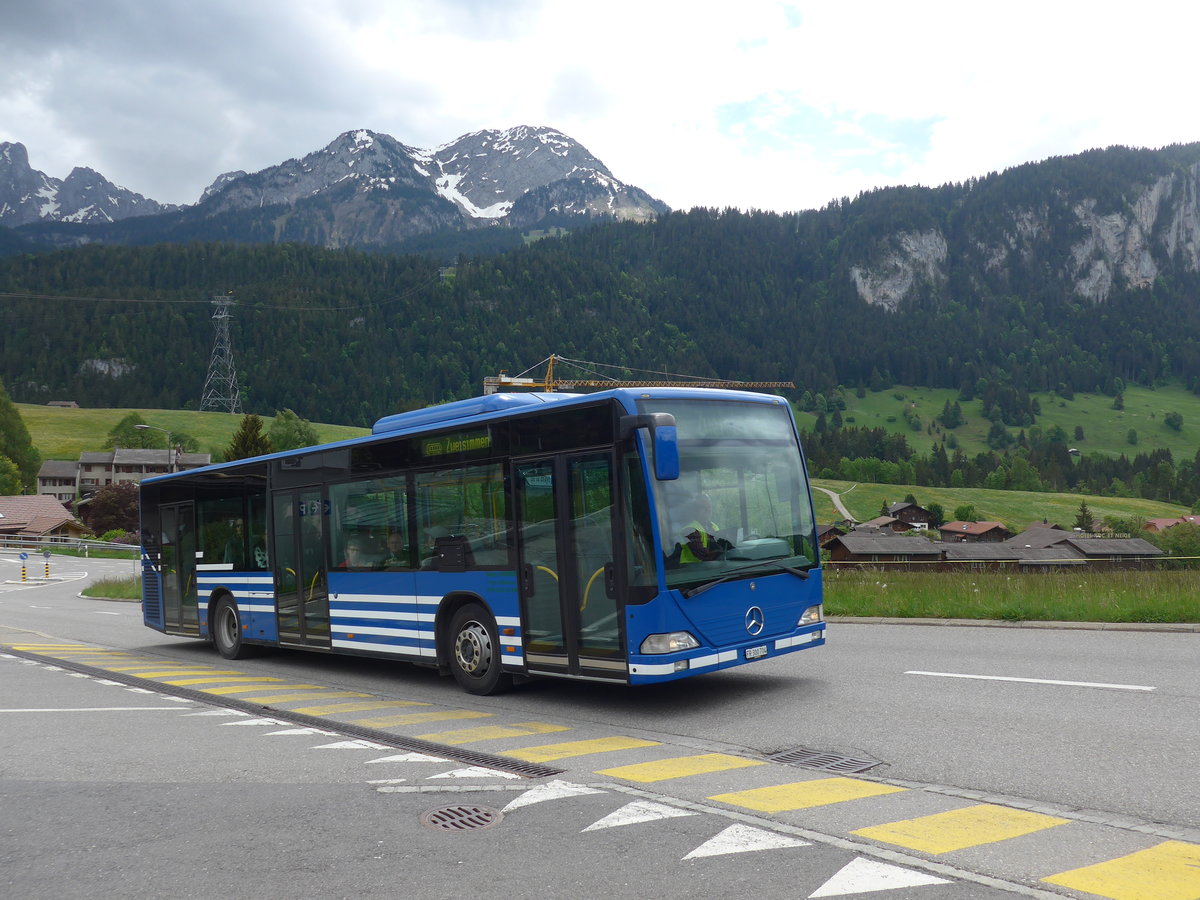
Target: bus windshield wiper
x=733 y=573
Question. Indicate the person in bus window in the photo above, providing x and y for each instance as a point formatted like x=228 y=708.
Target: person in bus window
x=397 y=553
x=701 y=540
x=360 y=554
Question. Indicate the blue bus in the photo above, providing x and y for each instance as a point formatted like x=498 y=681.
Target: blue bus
x=631 y=536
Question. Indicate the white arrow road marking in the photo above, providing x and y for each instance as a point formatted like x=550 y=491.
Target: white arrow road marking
x=743 y=839
x=255 y=722
x=300 y=731
x=476 y=772
x=347 y=745
x=1092 y=684
x=638 y=811
x=551 y=790
x=862 y=876
x=407 y=757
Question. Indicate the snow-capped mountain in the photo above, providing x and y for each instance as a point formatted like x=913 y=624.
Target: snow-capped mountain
x=369 y=189
x=84 y=196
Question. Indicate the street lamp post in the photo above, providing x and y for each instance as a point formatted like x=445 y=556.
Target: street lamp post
x=170 y=449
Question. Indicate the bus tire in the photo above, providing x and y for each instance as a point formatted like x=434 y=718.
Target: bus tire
x=225 y=624
x=474 y=652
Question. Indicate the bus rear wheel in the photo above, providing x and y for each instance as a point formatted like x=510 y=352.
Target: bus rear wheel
x=225 y=624
x=475 y=652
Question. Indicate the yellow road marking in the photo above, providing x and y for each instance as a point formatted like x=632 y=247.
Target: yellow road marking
x=282 y=698
x=961 y=828
x=681 y=767
x=805 y=794
x=491 y=732
x=355 y=707
x=445 y=715
x=162 y=673
x=551 y=752
x=1168 y=871
x=144 y=664
x=242 y=679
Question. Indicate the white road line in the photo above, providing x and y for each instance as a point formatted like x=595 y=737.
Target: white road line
x=93 y=709
x=1091 y=684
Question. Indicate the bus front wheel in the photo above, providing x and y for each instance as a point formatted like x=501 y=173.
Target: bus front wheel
x=226 y=626
x=475 y=652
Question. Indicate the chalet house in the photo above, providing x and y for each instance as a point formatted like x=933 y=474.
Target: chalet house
x=67 y=479
x=33 y=515
x=885 y=523
x=1157 y=526
x=884 y=548
x=1115 y=553
x=917 y=517
x=974 y=532
x=826 y=533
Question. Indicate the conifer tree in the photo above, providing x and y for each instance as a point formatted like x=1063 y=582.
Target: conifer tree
x=249 y=440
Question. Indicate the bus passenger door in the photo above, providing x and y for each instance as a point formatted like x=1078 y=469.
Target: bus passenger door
x=178 y=561
x=301 y=584
x=565 y=510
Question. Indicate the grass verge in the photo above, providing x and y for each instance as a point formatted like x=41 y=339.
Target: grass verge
x=115 y=589
x=1161 y=597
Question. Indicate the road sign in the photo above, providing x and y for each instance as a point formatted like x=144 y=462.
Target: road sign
x=24 y=556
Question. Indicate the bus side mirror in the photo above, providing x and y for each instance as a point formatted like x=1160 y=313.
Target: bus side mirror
x=663 y=436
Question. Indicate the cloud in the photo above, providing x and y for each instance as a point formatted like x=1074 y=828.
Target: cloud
x=764 y=103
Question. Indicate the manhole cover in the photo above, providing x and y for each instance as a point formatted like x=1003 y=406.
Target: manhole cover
x=830 y=762
x=461 y=818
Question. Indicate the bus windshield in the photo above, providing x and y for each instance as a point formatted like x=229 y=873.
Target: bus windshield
x=741 y=505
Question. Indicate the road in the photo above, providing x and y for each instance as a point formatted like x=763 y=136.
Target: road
x=1093 y=750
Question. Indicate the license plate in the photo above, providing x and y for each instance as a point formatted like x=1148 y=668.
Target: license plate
x=756 y=652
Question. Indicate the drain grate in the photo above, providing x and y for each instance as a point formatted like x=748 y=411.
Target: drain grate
x=829 y=762
x=461 y=818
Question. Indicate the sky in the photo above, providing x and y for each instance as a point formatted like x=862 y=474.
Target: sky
x=756 y=104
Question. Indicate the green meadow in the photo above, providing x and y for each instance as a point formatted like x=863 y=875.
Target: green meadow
x=1105 y=430
x=60 y=433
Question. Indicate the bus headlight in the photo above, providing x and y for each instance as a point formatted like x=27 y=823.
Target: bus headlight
x=810 y=616
x=669 y=643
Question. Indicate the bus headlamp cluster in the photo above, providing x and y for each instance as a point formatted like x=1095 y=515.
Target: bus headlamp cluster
x=669 y=643
x=810 y=616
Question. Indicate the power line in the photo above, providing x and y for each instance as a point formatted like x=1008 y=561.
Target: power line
x=11 y=295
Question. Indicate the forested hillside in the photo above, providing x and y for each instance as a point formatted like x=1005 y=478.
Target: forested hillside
x=994 y=288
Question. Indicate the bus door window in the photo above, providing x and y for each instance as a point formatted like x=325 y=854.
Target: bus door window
x=301 y=593
x=591 y=486
x=179 y=566
x=537 y=529
x=568 y=579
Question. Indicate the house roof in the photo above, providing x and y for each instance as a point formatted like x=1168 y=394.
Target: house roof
x=1039 y=537
x=58 y=468
x=971 y=527
x=903 y=505
x=1164 y=524
x=823 y=530
x=128 y=456
x=1114 y=546
x=879 y=522
x=1051 y=525
x=35 y=514
x=885 y=544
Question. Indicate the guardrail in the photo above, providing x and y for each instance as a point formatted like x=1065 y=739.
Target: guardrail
x=60 y=544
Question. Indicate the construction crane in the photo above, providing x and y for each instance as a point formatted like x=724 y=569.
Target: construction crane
x=549 y=384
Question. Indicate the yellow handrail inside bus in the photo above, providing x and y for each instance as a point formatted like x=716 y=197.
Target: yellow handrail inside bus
x=587 y=590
